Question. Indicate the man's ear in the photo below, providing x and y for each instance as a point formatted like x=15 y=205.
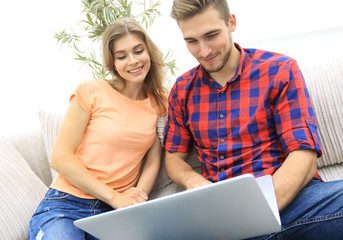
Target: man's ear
x=232 y=22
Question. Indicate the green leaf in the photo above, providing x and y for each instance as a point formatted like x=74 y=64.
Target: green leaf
x=96 y=16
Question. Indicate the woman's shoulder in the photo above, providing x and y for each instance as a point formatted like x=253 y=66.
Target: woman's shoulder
x=92 y=85
x=160 y=107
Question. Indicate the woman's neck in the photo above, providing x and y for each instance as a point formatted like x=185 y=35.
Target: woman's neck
x=130 y=90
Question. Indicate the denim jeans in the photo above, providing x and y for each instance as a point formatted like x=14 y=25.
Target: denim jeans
x=316 y=213
x=55 y=216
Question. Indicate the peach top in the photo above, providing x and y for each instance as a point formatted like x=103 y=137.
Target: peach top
x=119 y=133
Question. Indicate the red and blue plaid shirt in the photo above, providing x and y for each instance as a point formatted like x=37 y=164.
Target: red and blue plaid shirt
x=248 y=126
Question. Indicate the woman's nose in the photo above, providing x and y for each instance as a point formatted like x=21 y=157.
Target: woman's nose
x=132 y=59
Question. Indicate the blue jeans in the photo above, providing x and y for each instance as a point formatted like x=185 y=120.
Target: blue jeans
x=316 y=213
x=55 y=216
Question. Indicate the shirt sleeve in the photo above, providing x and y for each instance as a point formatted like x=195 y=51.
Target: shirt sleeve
x=177 y=137
x=83 y=95
x=294 y=117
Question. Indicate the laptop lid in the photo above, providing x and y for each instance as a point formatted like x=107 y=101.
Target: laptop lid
x=235 y=208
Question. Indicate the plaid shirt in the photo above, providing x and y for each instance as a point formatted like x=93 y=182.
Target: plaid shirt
x=248 y=126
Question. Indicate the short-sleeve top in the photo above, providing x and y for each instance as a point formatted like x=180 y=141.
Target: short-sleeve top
x=119 y=133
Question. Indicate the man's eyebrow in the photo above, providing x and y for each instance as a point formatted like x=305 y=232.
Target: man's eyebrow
x=206 y=34
x=188 y=39
x=123 y=51
x=212 y=32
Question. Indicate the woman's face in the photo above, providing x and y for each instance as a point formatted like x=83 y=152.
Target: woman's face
x=131 y=58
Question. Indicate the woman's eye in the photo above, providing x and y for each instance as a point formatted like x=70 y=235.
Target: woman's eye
x=140 y=51
x=121 y=57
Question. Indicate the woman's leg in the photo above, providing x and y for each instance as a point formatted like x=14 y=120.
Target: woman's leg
x=55 y=216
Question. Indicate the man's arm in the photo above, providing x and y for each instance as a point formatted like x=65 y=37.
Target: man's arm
x=182 y=173
x=298 y=169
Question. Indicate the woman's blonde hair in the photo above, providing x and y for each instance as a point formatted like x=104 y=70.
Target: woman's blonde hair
x=153 y=82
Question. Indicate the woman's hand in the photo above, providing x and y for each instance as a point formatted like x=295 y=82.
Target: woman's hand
x=129 y=197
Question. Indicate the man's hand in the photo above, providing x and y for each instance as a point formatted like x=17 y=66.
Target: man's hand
x=181 y=173
x=197 y=181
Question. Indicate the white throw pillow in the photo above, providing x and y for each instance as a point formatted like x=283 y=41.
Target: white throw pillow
x=50 y=125
x=20 y=192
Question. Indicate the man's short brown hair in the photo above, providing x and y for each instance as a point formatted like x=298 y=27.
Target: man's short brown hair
x=184 y=9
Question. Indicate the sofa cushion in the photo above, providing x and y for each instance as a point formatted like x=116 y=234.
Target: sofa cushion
x=332 y=172
x=161 y=123
x=20 y=190
x=50 y=125
x=31 y=146
x=325 y=86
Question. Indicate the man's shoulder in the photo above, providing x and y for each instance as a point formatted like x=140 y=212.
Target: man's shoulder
x=188 y=76
x=187 y=79
x=263 y=56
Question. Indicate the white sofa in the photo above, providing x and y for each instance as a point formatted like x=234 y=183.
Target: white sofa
x=24 y=159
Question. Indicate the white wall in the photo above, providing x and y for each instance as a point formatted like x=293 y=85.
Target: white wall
x=311 y=31
x=37 y=75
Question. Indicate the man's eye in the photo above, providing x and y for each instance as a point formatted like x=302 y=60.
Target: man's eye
x=212 y=36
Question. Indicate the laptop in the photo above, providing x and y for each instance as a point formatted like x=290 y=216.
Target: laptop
x=236 y=208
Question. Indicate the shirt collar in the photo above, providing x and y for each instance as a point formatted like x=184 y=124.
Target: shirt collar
x=206 y=78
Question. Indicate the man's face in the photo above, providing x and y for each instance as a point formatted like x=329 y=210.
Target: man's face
x=209 y=39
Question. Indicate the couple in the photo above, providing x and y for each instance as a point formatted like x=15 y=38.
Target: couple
x=244 y=110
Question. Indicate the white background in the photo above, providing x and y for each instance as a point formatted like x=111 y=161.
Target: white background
x=37 y=75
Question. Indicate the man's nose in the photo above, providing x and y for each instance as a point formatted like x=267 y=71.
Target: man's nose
x=204 y=49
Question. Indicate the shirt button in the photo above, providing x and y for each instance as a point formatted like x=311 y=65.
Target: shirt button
x=222 y=140
x=221 y=157
x=222 y=92
x=222 y=170
x=221 y=115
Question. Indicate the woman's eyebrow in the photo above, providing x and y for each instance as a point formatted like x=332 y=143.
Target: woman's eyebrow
x=123 y=51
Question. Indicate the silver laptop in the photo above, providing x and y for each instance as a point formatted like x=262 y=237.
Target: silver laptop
x=236 y=208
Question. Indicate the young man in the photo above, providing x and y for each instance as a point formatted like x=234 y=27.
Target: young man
x=248 y=111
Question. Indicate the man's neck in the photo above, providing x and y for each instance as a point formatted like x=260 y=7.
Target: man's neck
x=230 y=68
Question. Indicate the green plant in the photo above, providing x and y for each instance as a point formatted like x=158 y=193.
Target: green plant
x=97 y=14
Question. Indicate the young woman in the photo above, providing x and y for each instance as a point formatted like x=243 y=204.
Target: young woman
x=110 y=126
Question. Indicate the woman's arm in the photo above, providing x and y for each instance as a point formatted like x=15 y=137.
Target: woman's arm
x=63 y=160
x=151 y=167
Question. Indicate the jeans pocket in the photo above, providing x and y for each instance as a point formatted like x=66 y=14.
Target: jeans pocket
x=56 y=195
